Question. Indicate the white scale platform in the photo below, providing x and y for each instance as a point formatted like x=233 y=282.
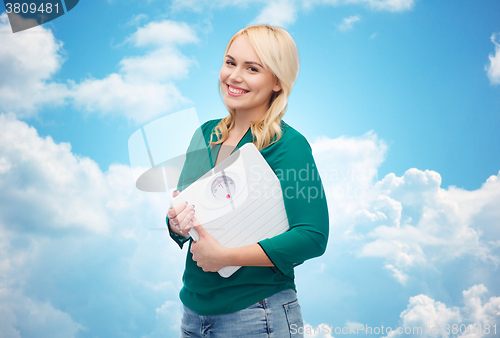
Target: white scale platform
x=239 y=201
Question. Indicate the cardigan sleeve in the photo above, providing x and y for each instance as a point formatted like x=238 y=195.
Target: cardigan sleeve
x=180 y=240
x=305 y=205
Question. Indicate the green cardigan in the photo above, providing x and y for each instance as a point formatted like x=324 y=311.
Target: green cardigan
x=291 y=159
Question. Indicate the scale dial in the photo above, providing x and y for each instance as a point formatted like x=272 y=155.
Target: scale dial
x=223 y=187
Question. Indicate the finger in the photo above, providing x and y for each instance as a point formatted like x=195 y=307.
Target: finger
x=179 y=208
x=186 y=209
x=173 y=217
x=173 y=224
x=186 y=224
x=199 y=229
x=196 y=221
x=171 y=213
x=185 y=218
x=175 y=214
x=181 y=221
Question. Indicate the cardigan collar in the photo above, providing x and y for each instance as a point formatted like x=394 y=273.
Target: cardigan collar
x=248 y=137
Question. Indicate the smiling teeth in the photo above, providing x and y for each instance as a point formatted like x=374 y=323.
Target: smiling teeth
x=236 y=91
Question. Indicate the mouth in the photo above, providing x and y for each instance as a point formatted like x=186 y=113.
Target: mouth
x=235 y=91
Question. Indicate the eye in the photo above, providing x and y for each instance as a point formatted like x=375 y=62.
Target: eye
x=228 y=62
x=253 y=69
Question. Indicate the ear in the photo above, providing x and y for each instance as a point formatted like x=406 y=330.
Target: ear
x=277 y=86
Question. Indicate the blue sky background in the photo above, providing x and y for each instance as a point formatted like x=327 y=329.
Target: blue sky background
x=400 y=100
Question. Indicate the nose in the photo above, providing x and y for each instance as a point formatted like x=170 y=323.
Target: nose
x=236 y=75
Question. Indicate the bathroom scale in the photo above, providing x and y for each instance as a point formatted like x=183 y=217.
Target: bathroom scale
x=239 y=201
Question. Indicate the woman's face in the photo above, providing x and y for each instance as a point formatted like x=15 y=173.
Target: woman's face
x=246 y=86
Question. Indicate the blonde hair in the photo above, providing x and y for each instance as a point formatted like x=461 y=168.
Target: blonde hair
x=277 y=50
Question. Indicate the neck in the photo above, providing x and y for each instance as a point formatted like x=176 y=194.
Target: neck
x=243 y=119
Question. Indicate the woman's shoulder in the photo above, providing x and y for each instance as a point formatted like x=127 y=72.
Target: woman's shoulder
x=208 y=128
x=290 y=151
x=291 y=135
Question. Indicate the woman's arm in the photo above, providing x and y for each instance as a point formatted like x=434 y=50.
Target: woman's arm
x=305 y=203
x=211 y=256
x=307 y=212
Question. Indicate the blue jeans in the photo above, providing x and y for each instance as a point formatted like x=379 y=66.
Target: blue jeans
x=278 y=316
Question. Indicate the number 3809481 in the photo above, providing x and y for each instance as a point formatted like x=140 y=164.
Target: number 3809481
x=31 y=8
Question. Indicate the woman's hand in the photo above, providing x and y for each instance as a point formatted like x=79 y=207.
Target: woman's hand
x=207 y=252
x=180 y=218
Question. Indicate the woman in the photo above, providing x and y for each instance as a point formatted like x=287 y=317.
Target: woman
x=260 y=66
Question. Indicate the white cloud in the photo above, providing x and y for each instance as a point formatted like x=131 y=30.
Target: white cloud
x=144 y=88
x=423 y=313
x=137 y=19
x=42 y=178
x=163 y=34
x=399 y=275
x=49 y=190
x=277 y=13
x=349 y=161
x=71 y=234
x=33 y=318
x=381 y=5
x=347 y=23
x=348 y=169
x=436 y=224
x=200 y=5
x=284 y=12
x=407 y=221
x=27 y=62
x=165 y=62
x=386 y=5
x=436 y=319
x=493 y=69
x=157 y=66
x=64 y=224
x=406 y=228
x=137 y=101
x=168 y=319
x=476 y=310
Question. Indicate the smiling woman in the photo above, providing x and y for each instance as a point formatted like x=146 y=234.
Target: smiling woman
x=259 y=70
x=260 y=66
x=247 y=85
